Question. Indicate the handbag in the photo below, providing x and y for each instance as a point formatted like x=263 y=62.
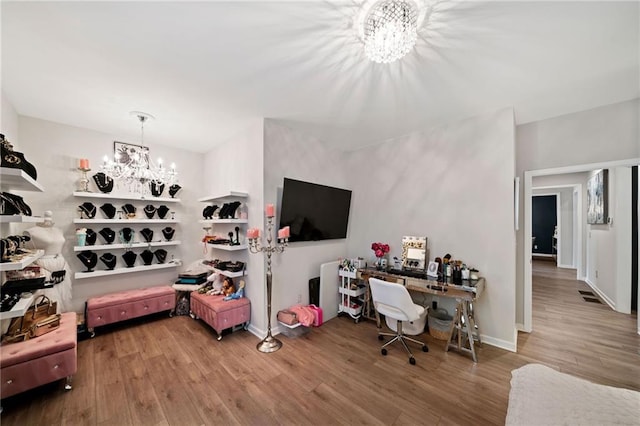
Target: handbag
x=35 y=320
x=317 y=311
x=287 y=317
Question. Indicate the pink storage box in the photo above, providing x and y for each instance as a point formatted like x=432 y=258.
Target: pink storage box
x=317 y=311
x=124 y=305
x=44 y=359
x=220 y=314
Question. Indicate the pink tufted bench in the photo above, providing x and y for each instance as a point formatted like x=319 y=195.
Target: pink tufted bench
x=50 y=357
x=124 y=305
x=220 y=314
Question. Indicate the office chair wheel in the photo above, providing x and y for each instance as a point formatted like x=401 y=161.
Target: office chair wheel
x=380 y=337
x=425 y=348
x=412 y=361
x=384 y=352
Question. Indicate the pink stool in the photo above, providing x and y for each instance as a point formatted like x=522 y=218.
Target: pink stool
x=220 y=314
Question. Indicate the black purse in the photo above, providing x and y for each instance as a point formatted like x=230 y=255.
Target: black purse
x=11 y=204
x=14 y=159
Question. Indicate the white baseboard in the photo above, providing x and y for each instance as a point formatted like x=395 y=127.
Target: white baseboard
x=520 y=327
x=260 y=334
x=560 y=265
x=502 y=344
x=601 y=294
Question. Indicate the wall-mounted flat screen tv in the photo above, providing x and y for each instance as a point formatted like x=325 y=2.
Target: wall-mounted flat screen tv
x=314 y=212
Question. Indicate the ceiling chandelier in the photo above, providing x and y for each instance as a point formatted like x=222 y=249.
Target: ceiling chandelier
x=133 y=166
x=389 y=28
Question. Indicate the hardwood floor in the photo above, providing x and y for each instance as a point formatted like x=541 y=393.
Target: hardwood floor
x=172 y=371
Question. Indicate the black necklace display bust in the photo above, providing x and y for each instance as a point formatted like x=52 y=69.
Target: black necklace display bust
x=108 y=234
x=129 y=210
x=103 y=182
x=89 y=259
x=109 y=260
x=126 y=236
x=162 y=211
x=168 y=233
x=129 y=258
x=147 y=257
x=109 y=210
x=174 y=189
x=88 y=209
x=156 y=188
x=91 y=237
x=149 y=211
x=147 y=234
x=161 y=255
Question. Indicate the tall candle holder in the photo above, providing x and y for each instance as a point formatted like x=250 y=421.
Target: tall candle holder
x=83 y=183
x=270 y=343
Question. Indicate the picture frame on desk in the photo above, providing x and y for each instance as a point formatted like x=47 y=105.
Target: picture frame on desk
x=432 y=269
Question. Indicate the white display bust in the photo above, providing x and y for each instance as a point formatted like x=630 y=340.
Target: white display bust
x=47 y=237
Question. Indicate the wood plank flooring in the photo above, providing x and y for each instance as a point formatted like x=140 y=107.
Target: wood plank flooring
x=172 y=371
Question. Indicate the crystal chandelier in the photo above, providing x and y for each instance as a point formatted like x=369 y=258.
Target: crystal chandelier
x=389 y=29
x=135 y=168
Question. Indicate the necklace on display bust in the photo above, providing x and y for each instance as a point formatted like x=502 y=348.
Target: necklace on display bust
x=91 y=237
x=103 y=182
x=88 y=209
x=168 y=233
x=88 y=259
x=109 y=210
x=129 y=210
x=162 y=211
x=156 y=188
x=108 y=234
x=149 y=211
x=109 y=260
x=147 y=234
x=129 y=258
x=161 y=255
x=173 y=190
x=126 y=235
x=147 y=257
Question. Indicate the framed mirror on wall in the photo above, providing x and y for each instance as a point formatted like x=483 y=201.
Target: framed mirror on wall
x=414 y=253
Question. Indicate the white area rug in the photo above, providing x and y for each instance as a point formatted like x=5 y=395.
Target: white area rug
x=543 y=396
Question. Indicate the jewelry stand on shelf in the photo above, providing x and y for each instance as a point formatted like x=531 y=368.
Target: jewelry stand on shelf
x=83 y=183
x=268 y=344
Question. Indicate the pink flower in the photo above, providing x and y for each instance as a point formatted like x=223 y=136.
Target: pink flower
x=380 y=249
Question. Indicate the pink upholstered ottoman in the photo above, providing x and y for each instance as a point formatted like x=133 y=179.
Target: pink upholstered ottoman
x=220 y=314
x=125 y=305
x=50 y=357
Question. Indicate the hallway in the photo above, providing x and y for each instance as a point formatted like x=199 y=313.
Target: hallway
x=582 y=338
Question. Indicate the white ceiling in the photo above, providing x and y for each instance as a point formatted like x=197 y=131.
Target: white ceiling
x=205 y=69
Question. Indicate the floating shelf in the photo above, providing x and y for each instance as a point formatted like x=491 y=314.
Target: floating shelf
x=126 y=246
x=81 y=275
x=230 y=274
x=230 y=194
x=19 y=309
x=82 y=194
x=18 y=180
x=223 y=221
x=158 y=221
x=15 y=266
x=353 y=293
x=18 y=218
x=227 y=247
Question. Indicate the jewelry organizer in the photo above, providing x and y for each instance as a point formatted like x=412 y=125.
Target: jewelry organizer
x=135 y=221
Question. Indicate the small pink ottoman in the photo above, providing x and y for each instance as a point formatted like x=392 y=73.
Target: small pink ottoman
x=34 y=362
x=220 y=314
x=124 y=305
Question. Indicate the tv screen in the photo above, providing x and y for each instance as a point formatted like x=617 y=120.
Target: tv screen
x=314 y=212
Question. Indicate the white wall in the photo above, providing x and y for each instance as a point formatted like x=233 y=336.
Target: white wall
x=237 y=165
x=8 y=120
x=454 y=185
x=601 y=134
x=55 y=149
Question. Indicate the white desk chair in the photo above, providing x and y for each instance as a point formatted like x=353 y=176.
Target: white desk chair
x=400 y=313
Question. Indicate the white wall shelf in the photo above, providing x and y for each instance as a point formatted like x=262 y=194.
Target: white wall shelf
x=18 y=180
x=133 y=221
x=226 y=247
x=143 y=268
x=223 y=221
x=19 y=309
x=220 y=197
x=127 y=246
x=26 y=261
x=230 y=274
x=110 y=196
x=17 y=218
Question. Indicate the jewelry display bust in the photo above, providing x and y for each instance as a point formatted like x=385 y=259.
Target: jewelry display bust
x=168 y=233
x=161 y=255
x=89 y=259
x=174 y=189
x=129 y=210
x=129 y=258
x=88 y=209
x=147 y=257
x=103 y=182
x=109 y=260
x=162 y=211
x=108 y=234
x=109 y=210
x=91 y=237
x=126 y=236
x=149 y=211
x=147 y=234
x=156 y=188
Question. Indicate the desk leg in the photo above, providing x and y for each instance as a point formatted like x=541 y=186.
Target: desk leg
x=469 y=329
x=474 y=326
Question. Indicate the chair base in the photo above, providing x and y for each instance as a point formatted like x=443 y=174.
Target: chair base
x=398 y=336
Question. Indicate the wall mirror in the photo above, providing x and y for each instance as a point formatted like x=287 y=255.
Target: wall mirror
x=414 y=253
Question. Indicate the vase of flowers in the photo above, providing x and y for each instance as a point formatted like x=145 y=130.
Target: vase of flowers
x=380 y=250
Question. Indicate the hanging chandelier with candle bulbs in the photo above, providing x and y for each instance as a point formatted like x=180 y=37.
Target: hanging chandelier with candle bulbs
x=133 y=167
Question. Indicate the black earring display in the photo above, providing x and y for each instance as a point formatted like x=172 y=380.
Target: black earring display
x=103 y=182
x=156 y=188
x=174 y=189
x=168 y=233
x=161 y=255
x=109 y=210
x=149 y=211
x=147 y=257
x=89 y=259
x=209 y=211
x=162 y=211
x=129 y=258
x=147 y=234
x=126 y=235
x=108 y=234
x=91 y=237
x=109 y=260
x=129 y=210
x=88 y=209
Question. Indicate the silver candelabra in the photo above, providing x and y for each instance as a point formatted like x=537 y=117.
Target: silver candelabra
x=268 y=344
